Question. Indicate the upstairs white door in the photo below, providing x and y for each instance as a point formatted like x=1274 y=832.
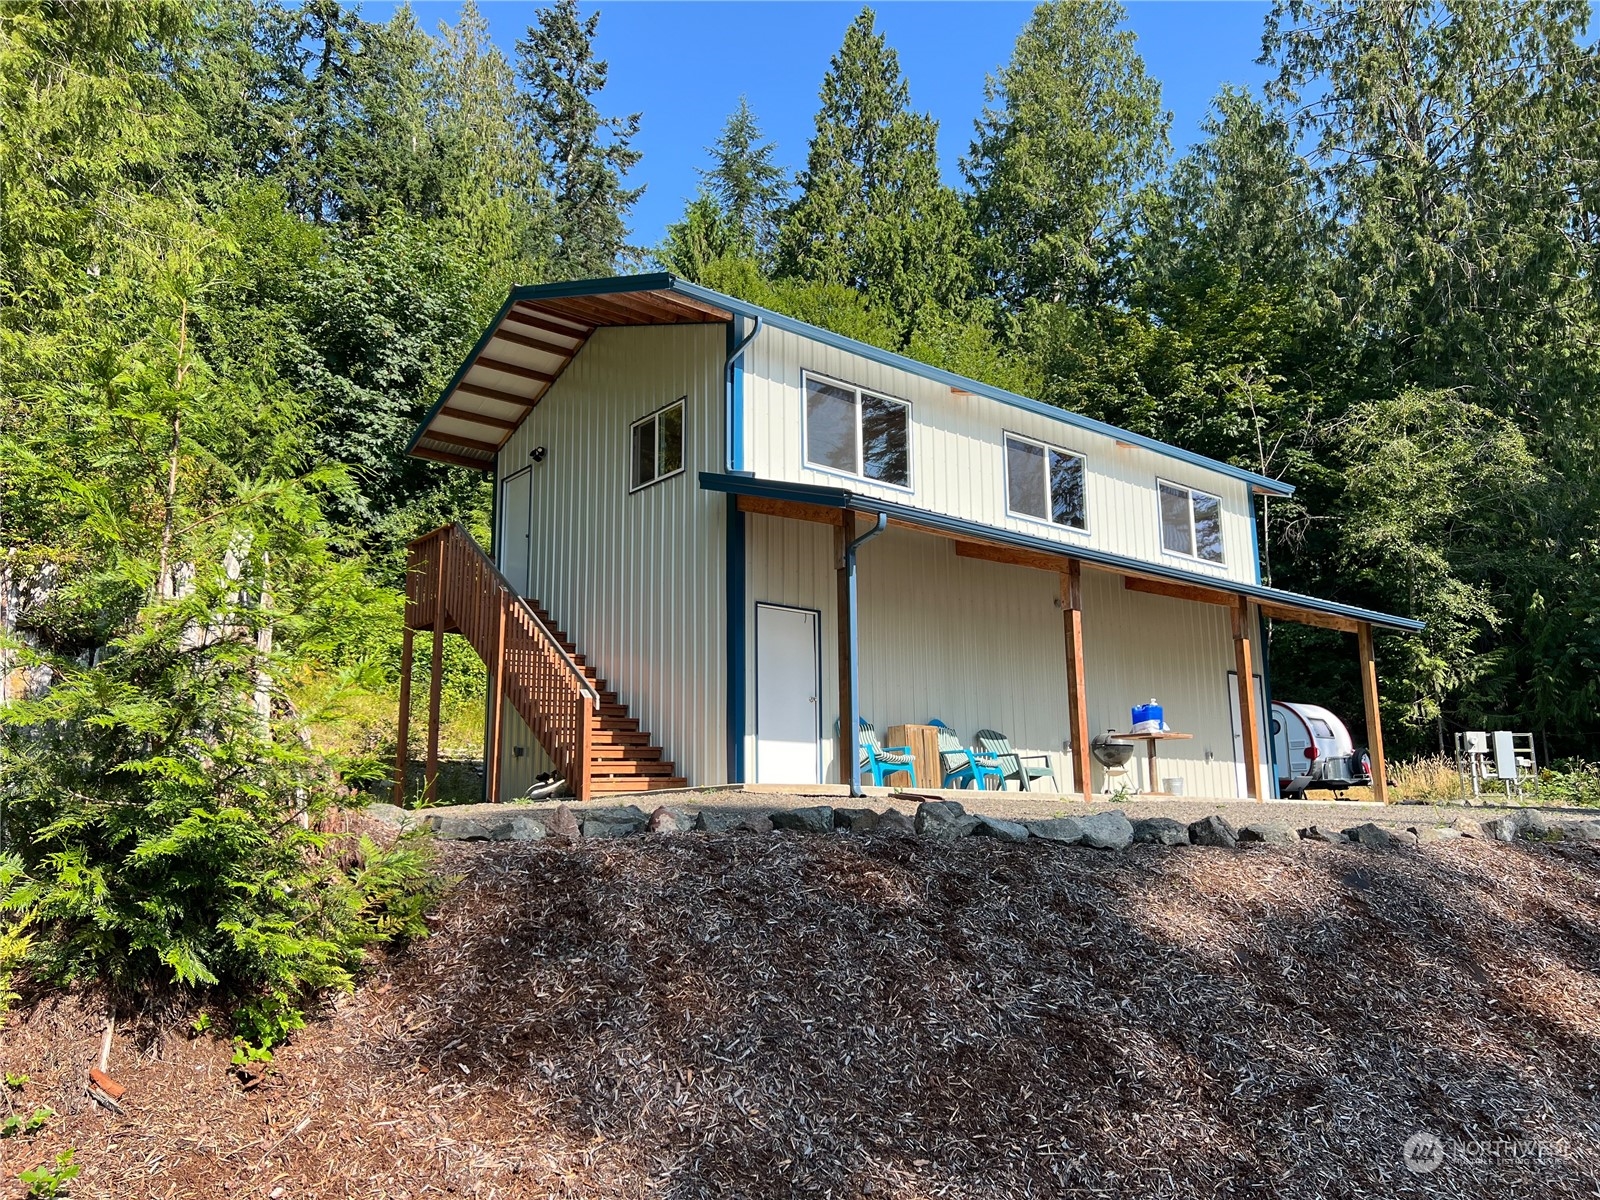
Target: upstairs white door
x=516 y=511
x=1269 y=781
x=788 y=689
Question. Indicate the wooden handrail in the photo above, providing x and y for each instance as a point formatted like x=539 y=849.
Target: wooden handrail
x=449 y=580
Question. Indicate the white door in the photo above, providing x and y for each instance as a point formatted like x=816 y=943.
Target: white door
x=788 y=688
x=516 y=510
x=1268 y=778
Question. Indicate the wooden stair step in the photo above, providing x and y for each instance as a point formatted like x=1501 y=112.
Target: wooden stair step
x=621 y=737
x=631 y=767
x=611 y=787
x=604 y=753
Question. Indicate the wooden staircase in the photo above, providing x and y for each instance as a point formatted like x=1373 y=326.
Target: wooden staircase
x=622 y=757
x=584 y=728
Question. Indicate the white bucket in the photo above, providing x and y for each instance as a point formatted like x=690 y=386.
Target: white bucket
x=1173 y=786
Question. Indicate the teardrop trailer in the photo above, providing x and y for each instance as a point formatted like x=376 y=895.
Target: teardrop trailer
x=1313 y=751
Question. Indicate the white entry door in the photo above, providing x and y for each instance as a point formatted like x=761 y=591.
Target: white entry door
x=1269 y=780
x=788 y=689
x=516 y=511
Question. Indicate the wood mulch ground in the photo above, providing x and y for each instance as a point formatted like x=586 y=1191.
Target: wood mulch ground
x=780 y=1015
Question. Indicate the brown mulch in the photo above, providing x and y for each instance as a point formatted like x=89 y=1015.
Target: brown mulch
x=781 y=1015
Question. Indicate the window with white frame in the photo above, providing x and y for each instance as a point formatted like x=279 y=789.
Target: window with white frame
x=1045 y=482
x=857 y=432
x=1191 y=522
x=657 y=446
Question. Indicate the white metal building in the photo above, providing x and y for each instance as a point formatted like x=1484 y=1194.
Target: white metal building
x=680 y=477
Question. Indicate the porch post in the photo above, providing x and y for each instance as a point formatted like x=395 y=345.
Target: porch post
x=844 y=613
x=402 y=747
x=1249 y=718
x=435 y=675
x=1077 y=701
x=1369 y=695
x=497 y=696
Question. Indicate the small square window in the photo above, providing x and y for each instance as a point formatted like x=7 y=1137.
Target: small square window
x=656 y=446
x=1045 y=483
x=857 y=432
x=1191 y=522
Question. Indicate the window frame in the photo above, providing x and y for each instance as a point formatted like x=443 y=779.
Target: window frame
x=1193 y=555
x=806 y=376
x=655 y=417
x=1005 y=481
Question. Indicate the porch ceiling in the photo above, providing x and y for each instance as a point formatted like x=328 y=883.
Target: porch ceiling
x=825 y=505
x=536 y=334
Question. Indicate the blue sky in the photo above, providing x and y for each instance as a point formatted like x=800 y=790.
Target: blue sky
x=684 y=66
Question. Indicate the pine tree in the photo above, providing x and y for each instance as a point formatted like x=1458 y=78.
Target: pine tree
x=1072 y=129
x=747 y=186
x=872 y=213
x=587 y=155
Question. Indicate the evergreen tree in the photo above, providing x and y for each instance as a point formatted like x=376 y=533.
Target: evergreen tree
x=1073 y=128
x=747 y=186
x=587 y=156
x=872 y=213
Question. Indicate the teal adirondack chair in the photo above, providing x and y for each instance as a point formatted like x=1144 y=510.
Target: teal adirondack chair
x=1013 y=765
x=883 y=760
x=962 y=766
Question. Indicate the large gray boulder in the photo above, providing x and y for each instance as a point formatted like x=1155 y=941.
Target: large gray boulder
x=499 y=827
x=613 y=822
x=895 y=823
x=1066 y=830
x=943 y=819
x=1271 y=835
x=391 y=814
x=1106 y=830
x=856 y=820
x=1005 y=831
x=1582 y=831
x=1160 y=831
x=667 y=820
x=818 y=818
x=1374 y=837
x=1213 y=831
x=1323 y=833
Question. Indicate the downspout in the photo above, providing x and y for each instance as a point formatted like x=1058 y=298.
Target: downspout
x=734 y=614
x=733 y=417
x=852 y=739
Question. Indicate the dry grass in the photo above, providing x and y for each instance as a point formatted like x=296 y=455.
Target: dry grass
x=1430 y=780
x=766 y=1016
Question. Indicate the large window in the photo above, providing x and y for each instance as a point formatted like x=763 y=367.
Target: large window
x=1045 y=483
x=1191 y=522
x=657 y=446
x=857 y=432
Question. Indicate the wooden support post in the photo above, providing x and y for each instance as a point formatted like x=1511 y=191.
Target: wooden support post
x=583 y=772
x=497 y=695
x=1249 y=718
x=1369 y=695
x=1077 y=701
x=435 y=676
x=403 y=737
x=843 y=532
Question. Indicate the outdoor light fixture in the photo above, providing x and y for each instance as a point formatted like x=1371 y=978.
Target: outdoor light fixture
x=537 y=454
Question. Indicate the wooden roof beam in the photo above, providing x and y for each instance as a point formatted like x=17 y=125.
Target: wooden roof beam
x=532 y=343
x=507 y=368
x=489 y=393
x=455 y=460
x=819 y=513
x=539 y=321
x=450 y=439
x=1179 y=591
x=477 y=418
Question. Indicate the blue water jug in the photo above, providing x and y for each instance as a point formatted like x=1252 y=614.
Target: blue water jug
x=1147 y=718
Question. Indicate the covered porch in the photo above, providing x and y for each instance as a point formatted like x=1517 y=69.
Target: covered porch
x=922 y=616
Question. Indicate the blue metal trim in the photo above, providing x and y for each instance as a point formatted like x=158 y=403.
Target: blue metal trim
x=1255 y=540
x=660 y=281
x=735 y=620
x=830 y=497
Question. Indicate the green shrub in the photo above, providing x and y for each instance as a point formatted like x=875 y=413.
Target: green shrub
x=166 y=827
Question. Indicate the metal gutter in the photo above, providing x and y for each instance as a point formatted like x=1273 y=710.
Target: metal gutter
x=852 y=641
x=847 y=501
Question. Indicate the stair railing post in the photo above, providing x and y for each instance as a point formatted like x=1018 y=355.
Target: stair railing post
x=497 y=693
x=436 y=671
x=403 y=736
x=582 y=773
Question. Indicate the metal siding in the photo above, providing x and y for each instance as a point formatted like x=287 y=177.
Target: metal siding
x=980 y=644
x=637 y=580
x=958 y=457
